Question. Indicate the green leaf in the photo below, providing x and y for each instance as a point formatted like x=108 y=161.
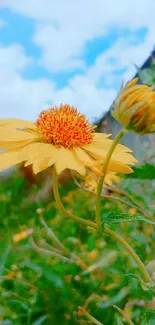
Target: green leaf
x=116 y=217
x=147 y=76
x=148 y=319
x=146 y=171
x=145 y=286
x=3 y=257
x=53 y=278
x=115 y=299
x=21 y=304
x=40 y=320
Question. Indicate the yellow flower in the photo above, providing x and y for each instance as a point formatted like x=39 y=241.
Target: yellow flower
x=134 y=107
x=91 y=180
x=92 y=255
x=22 y=235
x=111 y=178
x=132 y=210
x=62 y=137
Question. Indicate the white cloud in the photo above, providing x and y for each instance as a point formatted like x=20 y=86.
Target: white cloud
x=62 y=31
x=20 y=97
x=63 y=28
x=122 y=55
x=13 y=59
x=58 y=55
x=85 y=95
x=24 y=98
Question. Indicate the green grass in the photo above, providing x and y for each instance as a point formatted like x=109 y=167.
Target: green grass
x=39 y=289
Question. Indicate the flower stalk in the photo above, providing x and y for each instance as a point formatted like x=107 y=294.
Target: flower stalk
x=98 y=214
x=132 y=253
x=61 y=208
x=90 y=317
x=129 y=321
x=100 y=185
x=95 y=227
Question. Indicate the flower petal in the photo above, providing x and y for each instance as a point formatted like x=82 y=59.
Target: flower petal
x=11 y=139
x=41 y=164
x=118 y=162
x=101 y=141
x=44 y=154
x=66 y=158
x=9 y=159
x=39 y=149
x=132 y=83
x=9 y=134
x=17 y=123
x=101 y=136
x=83 y=156
x=40 y=155
x=118 y=167
x=13 y=145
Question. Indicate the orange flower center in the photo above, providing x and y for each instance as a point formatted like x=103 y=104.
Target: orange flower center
x=65 y=126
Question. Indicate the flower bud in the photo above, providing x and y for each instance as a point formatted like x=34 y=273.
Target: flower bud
x=134 y=107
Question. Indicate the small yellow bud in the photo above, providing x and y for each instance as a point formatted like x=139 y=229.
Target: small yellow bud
x=22 y=235
x=134 y=107
x=132 y=210
x=91 y=180
x=92 y=255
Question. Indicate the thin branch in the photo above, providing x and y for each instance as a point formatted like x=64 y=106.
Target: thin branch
x=104 y=195
x=115 y=189
x=62 y=209
x=50 y=247
x=122 y=312
x=51 y=234
x=121 y=192
x=104 y=261
x=94 y=320
x=119 y=199
x=75 y=180
x=137 y=205
x=31 y=285
x=47 y=252
x=92 y=297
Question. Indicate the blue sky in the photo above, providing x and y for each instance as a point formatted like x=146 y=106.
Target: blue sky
x=76 y=54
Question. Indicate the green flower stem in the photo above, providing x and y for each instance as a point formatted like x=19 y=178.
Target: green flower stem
x=121 y=240
x=129 y=321
x=47 y=252
x=100 y=185
x=63 y=211
x=94 y=225
x=58 y=243
x=129 y=249
x=51 y=233
x=91 y=318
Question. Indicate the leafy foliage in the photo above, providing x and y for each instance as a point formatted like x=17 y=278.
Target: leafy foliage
x=124 y=217
x=147 y=76
x=148 y=319
x=146 y=171
x=36 y=288
x=119 y=321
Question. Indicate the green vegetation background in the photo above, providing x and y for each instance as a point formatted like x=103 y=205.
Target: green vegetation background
x=37 y=289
